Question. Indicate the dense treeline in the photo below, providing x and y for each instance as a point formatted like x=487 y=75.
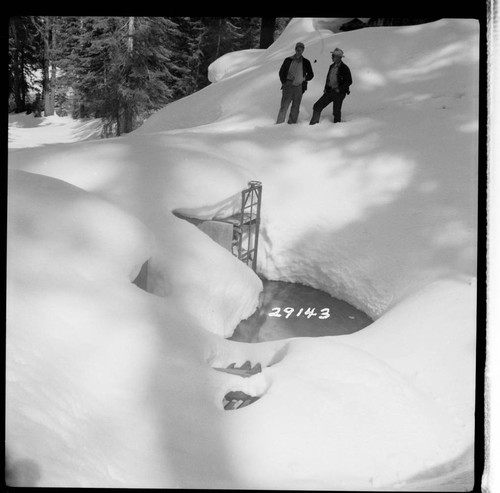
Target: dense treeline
x=120 y=69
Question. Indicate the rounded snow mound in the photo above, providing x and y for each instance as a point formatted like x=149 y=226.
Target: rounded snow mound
x=232 y=63
x=89 y=236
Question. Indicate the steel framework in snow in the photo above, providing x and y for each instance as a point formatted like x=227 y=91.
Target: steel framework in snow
x=246 y=225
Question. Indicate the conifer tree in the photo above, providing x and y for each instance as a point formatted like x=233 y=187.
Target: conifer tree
x=220 y=37
x=24 y=60
x=268 y=26
x=120 y=68
x=188 y=56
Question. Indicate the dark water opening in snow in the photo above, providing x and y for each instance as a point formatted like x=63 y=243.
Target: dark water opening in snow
x=294 y=310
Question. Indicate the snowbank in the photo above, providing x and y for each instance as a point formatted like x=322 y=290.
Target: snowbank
x=50 y=130
x=231 y=63
x=111 y=386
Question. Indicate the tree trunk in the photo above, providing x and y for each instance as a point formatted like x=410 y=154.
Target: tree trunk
x=118 y=122
x=53 y=71
x=23 y=83
x=128 y=119
x=219 y=34
x=17 y=76
x=127 y=113
x=47 y=89
x=267 y=28
x=131 y=31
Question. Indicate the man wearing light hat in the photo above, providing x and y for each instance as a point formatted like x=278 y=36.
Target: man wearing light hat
x=337 y=85
x=294 y=74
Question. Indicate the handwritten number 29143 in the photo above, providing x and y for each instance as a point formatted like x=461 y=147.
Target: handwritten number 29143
x=309 y=312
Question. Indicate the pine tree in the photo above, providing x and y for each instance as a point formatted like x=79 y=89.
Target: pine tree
x=24 y=60
x=188 y=56
x=120 y=68
x=268 y=26
x=148 y=74
x=48 y=29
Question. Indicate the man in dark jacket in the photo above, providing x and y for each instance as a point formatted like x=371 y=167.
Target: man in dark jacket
x=294 y=74
x=337 y=85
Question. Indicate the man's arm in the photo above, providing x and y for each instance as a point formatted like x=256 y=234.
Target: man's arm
x=284 y=70
x=347 y=80
x=309 y=71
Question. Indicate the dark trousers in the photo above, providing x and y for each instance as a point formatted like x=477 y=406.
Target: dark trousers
x=291 y=94
x=324 y=101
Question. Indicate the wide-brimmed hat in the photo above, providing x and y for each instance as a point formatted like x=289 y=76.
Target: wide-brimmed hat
x=337 y=51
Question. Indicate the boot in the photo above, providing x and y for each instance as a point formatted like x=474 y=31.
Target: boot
x=315 y=118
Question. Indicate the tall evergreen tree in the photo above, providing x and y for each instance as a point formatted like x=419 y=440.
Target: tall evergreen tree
x=188 y=56
x=48 y=30
x=120 y=68
x=268 y=26
x=219 y=38
x=25 y=58
x=148 y=74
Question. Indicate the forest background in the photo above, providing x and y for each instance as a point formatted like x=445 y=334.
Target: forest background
x=123 y=69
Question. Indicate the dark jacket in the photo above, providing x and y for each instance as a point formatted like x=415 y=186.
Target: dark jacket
x=343 y=76
x=306 y=69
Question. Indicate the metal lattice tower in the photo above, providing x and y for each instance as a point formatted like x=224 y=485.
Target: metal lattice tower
x=239 y=233
x=246 y=231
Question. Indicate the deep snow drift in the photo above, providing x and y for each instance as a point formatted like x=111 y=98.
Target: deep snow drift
x=108 y=385
x=50 y=130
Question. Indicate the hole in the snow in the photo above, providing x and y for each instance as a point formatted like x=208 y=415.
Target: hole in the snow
x=245 y=370
x=236 y=399
x=294 y=310
x=141 y=280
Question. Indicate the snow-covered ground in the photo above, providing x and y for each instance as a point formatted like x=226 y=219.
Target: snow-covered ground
x=111 y=386
x=50 y=130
